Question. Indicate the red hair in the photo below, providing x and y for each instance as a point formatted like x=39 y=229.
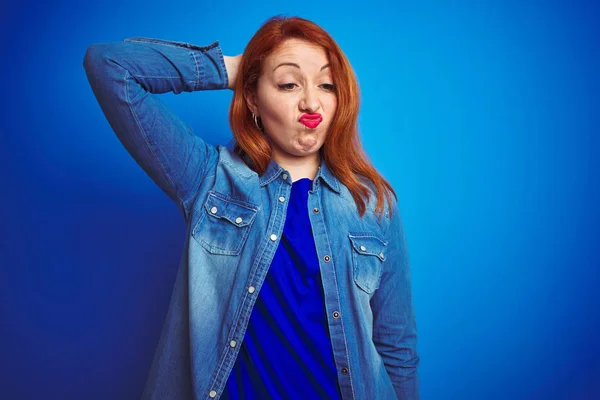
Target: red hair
x=342 y=150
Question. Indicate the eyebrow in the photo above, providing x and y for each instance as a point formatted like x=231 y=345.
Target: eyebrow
x=297 y=66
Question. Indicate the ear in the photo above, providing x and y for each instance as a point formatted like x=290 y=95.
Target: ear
x=250 y=98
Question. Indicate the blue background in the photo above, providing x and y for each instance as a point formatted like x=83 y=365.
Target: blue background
x=483 y=115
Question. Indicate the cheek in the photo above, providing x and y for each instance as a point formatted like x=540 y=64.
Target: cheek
x=278 y=109
x=332 y=102
x=331 y=107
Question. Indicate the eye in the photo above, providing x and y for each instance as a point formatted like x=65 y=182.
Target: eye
x=328 y=86
x=287 y=86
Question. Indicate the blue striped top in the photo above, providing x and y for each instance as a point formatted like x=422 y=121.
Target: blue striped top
x=286 y=352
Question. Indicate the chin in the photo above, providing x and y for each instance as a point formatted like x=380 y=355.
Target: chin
x=304 y=153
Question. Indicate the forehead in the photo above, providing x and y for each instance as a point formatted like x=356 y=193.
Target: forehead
x=298 y=51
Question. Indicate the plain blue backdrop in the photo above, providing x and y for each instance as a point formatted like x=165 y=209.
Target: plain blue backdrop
x=484 y=116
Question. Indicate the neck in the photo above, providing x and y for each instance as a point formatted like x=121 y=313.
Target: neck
x=301 y=167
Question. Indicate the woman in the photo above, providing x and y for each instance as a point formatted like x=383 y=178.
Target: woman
x=294 y=282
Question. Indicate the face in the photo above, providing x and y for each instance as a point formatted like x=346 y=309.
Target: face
x=296 y=80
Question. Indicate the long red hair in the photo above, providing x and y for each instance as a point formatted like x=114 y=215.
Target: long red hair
x=342 y=151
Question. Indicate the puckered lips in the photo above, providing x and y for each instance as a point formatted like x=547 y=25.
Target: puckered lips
x=311 y=120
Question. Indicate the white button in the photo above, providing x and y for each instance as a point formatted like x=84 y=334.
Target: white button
x=212 y=393
x=282 y=199
x=213 y=210
x=273 y=237
x=363 y=248
x=251 y=289
x=232 y=343
x=381 y=254
x=284 y=176
x=238 y=220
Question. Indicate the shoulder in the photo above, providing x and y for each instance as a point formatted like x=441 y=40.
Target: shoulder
x=371 y=221
x=234 y=162
x=391 y=209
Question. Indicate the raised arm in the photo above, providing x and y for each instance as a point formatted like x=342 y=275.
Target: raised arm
x=126 y=77
x=394 y=326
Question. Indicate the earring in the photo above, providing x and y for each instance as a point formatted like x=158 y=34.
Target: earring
x=256 y=121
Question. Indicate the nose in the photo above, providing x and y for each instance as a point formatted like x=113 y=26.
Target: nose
x=310 y=100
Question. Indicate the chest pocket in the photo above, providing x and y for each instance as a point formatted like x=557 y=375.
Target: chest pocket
x=368 y=254
x=224 y=225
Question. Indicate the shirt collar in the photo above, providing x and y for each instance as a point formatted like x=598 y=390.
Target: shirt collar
x=274 y=170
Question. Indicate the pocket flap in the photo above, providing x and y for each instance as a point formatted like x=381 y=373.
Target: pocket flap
x=236 y=213
x=369 y=245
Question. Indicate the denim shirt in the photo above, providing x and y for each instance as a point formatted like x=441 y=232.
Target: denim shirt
x=234 y=219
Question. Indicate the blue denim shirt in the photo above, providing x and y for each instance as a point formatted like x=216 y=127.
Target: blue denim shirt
x=234 y=220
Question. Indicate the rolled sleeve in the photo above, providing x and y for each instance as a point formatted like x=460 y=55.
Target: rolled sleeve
x=126 y=78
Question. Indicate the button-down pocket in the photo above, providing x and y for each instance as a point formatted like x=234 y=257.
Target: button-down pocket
x=368 y=253
x=224 y=225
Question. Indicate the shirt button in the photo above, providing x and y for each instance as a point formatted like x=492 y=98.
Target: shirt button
x=213 y=393
x=316 y=210
x=273 y=237
x=381 y=254
x=213 y=210
x=282 y=199
x=284 y=176
x=336 y=314
x=251 y=289
x=326 y=258
x=344 y=370
x=238 y=220
x=232 y=343
x=363 y=248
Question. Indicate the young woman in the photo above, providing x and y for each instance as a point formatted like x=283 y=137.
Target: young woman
x=295 y=280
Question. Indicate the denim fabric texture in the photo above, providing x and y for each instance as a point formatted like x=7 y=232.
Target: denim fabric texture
x=234 y=220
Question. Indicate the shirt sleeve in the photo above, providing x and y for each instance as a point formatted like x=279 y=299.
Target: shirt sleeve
x=394 y=326
x=126 y=78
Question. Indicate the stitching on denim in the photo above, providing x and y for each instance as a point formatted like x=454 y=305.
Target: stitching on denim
x=220 y=54
x=254 y=272
x=354 y=234
x=355 y=275
x=152 y=41
x=202 y=72
x=356 y=270
x=237 y=171
x=273 y=177
x=154 y=76
x=237 y=202
x=197 y=83
x=137 y=121
x=337 y=292
x=172 y=43
x=338 y=300
x=355 y=247
x=210 y=248
x=245 y=229
x=189 y=200
x=219 y=250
